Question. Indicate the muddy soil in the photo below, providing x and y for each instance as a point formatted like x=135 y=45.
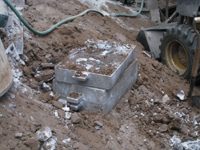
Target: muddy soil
x=148 y=115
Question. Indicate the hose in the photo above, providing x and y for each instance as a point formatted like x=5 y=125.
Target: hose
x=53 y=27
x=126 y=15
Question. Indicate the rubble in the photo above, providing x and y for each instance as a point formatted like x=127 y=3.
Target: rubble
x=75 y=118
x=18 y=135
x=32 y=143
x=44 y=134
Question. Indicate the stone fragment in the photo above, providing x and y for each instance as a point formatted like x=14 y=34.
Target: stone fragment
x=66 y=108
x=50 y=144
x=163 y=128
x=44 y=134
x=158 y=118
x=57 y=104
x=35 y=66
x=179 y=94
x=47 y=75
x=56 y=114
x=46 y=87
x=97 y=123
x=175 y=124
x=184 y=130
x=18 y=135
x=32 y=143
x=27 y=71
x=46 y=97
x=66 y=140
x=75 y=118
x=48 y=66
x=68 y=115
x=165 y=98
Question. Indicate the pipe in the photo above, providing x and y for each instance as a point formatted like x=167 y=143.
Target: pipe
x=53 y=27
x=126 y=15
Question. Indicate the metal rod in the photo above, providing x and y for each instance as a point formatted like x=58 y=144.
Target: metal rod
x=167 y=9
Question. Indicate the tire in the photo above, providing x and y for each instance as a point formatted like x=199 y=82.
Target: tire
x=178 y=48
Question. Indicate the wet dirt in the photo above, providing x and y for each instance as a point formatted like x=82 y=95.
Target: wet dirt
x=148 y=115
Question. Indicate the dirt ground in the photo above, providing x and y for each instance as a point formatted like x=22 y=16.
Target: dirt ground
x=148 y=115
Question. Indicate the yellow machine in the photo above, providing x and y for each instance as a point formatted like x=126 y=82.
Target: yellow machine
x=5 y=72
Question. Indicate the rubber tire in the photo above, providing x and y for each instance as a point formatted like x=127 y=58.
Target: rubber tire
x=187 y=37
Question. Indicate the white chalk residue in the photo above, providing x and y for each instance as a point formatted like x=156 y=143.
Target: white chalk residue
x=15 y=62
x=175 y=143
x=81 y=59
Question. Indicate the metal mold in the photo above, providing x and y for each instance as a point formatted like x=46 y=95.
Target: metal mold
x=76 y=107
x=101 y=99
x=75 y=100
x=93 y=79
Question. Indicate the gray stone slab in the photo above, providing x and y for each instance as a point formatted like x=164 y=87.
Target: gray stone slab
x=102 y=100
x=93 y=79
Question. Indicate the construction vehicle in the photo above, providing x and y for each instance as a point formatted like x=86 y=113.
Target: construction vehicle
x=174 y=43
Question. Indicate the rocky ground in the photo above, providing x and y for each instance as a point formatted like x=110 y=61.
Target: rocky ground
x=154 y=114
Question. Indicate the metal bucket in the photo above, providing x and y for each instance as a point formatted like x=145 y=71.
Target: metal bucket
x=5 y=72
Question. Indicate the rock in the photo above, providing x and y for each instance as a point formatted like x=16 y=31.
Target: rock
x=193 y=135
x=67 y=140
x=46 y=87
x=175 y=142
x=35 y=66
x=163 y=128
x=44 y=134
x=66 y=108
x=32 y=143
x=56 y=114
x=179 y=94
x=50 y=144
x=165 y=98
x=33 y=84
x=48 y=66
x=61 y=113
x=184 y=130
x=175 y=124
x=12 y=105
x=191 y=145
x=75 y=118
x=158 y=118
x=68 y=115
x=47 y=75
x=57 y=104
x=155 y=64
x=12 y=96
x=27 y=71
x=18 y=135
x=97 y=123
x=46 y=97
x=56 y=96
